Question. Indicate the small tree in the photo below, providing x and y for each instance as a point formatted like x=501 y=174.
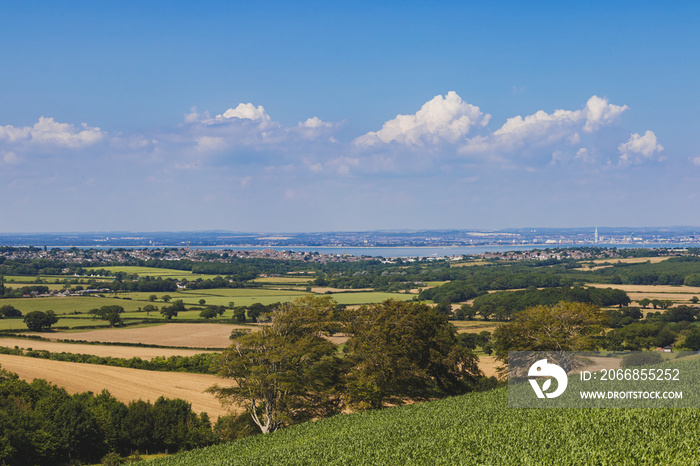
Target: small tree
x=150 y=308
x=239 y=315
x=172 y=311
x=166 y=298
x=444 y=307
x=468 y=311
x=152 y=298
x=10 y=311
x=39 y=321
x=255 y=310
x=208 y=313
x=202 y=302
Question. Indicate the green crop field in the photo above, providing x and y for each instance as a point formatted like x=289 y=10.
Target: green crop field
x=24 y=280
x=18 y=324
x=50 y=286
x=471 y=429
x=435 y=283
x=221 y=296
x=157 y=272
x=369 y=297
x=69 y=304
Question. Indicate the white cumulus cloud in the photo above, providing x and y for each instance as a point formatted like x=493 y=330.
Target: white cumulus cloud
x=442 y=119
x=246 y=112
x=600 y=112
x=554 y=130
x=638 y=148
x=48 y=131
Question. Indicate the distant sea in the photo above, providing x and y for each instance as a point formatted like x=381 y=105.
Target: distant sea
x=429 y=251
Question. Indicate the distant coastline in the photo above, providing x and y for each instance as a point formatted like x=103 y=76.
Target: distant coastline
x=399 y=251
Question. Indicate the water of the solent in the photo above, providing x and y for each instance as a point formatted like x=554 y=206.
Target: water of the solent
x=418 y=252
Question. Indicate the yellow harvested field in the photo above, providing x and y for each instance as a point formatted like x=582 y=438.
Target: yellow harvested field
x=177 y=335
x=474 y=326
x=489 y=365
x=627 y=260
x=632 y=260
x=327 y=289
x=123 y=383
x=469 y=263
x=678 y=294
x=114 y=351
x=690 y=290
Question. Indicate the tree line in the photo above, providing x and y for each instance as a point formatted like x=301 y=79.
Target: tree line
x=503 y=305
x=41 y=424
x=204 y=363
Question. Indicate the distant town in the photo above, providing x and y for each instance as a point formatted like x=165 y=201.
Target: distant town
x=101 y=256
x=565 y=237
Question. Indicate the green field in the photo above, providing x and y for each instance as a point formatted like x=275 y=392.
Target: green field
x=68 y=304
x=435 y=283
x=18 y=324
x=471 y=429
x=23 y=280
x=156 y=272
x=50 y=286
x=248 y=296
x=369 y=297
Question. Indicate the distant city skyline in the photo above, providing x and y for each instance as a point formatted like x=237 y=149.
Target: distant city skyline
x=277 y=117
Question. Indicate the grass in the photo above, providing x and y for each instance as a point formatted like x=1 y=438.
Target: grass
x=477 y=428
x=18 y=324
x=32 y=278
x=68 y=304
x=156 y=272
x=50 y=286
x=433 y=284
x=369 y=297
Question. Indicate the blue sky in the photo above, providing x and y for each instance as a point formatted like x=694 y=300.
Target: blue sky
x=320 y=116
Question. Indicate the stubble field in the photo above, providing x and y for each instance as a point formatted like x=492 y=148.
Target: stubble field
x=678 y=294
x=173 y=335
x=124 y=384
x=114 y=351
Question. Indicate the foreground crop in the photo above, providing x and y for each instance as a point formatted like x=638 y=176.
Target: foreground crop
x=471 y=429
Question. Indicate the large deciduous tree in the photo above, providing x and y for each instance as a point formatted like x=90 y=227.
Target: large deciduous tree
x=286 y=371
x=558 y=328
x=401 y=350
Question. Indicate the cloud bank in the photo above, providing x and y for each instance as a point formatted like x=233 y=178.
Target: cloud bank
x=445 y=133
